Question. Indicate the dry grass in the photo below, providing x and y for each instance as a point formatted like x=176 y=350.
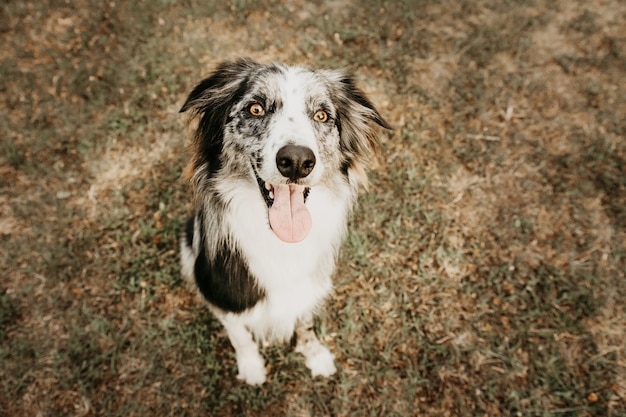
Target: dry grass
x=484 y=270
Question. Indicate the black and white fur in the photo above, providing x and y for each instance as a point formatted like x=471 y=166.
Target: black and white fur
x=261 y=129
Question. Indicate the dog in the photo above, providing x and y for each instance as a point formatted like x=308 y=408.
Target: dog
x=279 y=153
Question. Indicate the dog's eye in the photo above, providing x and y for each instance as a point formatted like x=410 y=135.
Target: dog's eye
x=320 y=116
x=256 y=110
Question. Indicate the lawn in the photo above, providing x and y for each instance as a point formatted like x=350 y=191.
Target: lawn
x=484 y=270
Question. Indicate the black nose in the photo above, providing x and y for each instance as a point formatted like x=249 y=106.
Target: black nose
x=295 y=162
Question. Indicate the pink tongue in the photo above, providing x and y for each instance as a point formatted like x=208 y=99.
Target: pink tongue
x=289 y=218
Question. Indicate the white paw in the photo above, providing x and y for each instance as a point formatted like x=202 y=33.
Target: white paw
x=321 y=363
x=251 y=369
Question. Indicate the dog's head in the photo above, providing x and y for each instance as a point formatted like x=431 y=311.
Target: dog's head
x=288 y=128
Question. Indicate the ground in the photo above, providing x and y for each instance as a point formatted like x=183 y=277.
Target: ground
x=483 y=272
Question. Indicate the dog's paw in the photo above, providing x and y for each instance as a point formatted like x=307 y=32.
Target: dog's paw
x=321 y=363
x=251 y=369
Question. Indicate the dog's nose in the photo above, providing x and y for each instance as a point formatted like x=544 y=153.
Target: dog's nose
x=295 y=162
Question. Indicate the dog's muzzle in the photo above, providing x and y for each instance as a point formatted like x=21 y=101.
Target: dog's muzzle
x=288 y=215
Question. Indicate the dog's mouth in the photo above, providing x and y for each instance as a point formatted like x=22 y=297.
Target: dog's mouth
x=288 y=215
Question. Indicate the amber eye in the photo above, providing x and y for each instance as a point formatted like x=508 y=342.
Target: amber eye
x=256 y=110
x=320 y=116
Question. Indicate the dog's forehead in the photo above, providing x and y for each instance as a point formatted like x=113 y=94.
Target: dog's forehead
x=291 y=83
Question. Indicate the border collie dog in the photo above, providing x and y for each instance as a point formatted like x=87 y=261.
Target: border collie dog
x=278 y=155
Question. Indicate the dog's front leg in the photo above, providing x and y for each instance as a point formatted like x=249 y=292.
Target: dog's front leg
x=249 y=361
x=317 y=357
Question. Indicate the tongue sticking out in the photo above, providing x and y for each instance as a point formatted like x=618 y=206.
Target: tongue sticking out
x=289 y=218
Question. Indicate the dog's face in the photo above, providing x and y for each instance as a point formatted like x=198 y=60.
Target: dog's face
x=288 y=129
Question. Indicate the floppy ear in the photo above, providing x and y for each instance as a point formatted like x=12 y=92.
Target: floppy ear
x=358 y=137
x=222 y=86
x=210 y=101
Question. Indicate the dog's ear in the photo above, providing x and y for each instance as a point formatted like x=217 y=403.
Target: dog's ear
x=210 y=102
x=222 y=87
x=356 y=118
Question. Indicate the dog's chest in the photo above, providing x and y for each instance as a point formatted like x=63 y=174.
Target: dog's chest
x=295 y=277
x=276 y=316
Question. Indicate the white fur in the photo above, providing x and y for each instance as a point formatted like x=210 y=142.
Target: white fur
x=301 y=273
x=320 y=361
